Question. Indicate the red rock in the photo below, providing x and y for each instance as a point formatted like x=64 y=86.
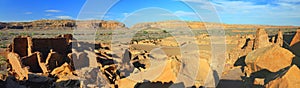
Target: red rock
x=289 y=80
x=295 y=44
x=279 y=40
x=64 y=72
x=262 y=39
x=296 y=38
x=259 y=81
x=272 y=58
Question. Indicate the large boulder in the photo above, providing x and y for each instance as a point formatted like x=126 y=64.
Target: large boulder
x=262 y=39
x=289 y=80
x=64 y=72
x=296 y=38
x=279 y=40
x=272 y=58
x=295 y=44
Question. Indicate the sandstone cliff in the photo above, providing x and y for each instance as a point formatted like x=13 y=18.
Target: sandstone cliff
x=62 y=24
x=201 y=25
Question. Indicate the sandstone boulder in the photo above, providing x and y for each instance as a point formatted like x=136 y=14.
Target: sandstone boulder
x=279 y=40
x=272 y=58
x=295 y=44
x=259 y=81
x=296 y=38
x=289 y=80
x=63 y=72
x=262 y=39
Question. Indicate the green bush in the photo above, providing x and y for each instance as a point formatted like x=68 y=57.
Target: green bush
x=145 y=32
x=165 y=31
x=3 y=46
x=2 y=58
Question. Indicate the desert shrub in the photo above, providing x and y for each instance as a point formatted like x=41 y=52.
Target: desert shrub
x=2 y=60
x=145 y=32
x=165 y=31
x=3 y=46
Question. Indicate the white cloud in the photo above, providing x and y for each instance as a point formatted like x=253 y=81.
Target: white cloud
x=195 y=1
x=238 y=6
x=63 y=17
x=180 y=14
x=52 y=11
x=28 y=13
x=184 y=13
x=290 y=1
x=247 y=8
x=239 y=11
x=126 y=14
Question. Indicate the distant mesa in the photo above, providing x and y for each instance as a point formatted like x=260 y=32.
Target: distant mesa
x=62 y=24
x=200 y=25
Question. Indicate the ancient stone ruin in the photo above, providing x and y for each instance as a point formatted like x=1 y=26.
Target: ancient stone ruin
x=37 y=55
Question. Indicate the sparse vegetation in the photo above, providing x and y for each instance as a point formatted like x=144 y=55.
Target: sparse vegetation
x=2 y=61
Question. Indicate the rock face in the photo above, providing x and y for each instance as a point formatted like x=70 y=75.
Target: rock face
x=244 y=46
x=289 y=80
x=62 y=24
x=198 y=25
x=295 y=44
x=100 y=24
x=272 y=58
x=53 y=23
x=296 y=38
x=262 y=39
x=111 y=25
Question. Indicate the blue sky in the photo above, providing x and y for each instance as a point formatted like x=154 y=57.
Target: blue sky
x=270 y=12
